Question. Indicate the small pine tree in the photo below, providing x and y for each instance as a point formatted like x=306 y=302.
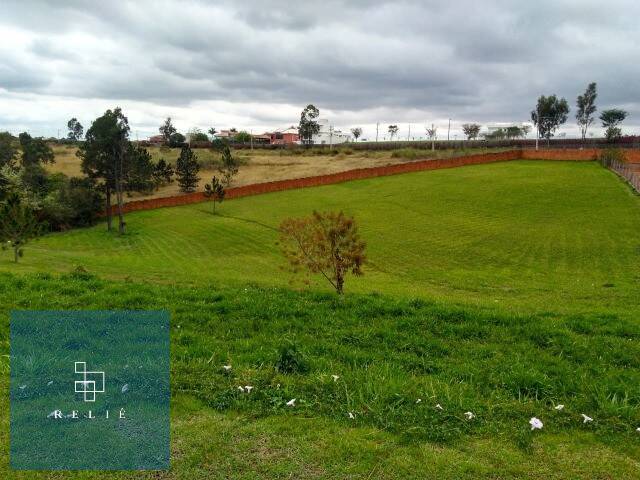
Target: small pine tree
x=162 y=173
x=18 y=225
x=215 y=191
x=229 y=168
x=187 y=169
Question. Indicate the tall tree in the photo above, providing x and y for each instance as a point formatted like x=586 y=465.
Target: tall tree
x=18 y=225
x=167 y=129
x=471 y=130
x=212 y=131
x=309 y=125
x=610 y=120
x=549 y=114
x=35 y=151
x=8 y=150
x=586 y=104
x=162 y=173
x=75 y=130
x=229 y=167
x=356 y=132
x=393 y=131
x=187 y=169
x=103 y=156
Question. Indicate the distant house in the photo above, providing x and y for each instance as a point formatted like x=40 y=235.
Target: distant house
x=156 y=140
x=328 y=135
x=226 y=134
x=286 y=136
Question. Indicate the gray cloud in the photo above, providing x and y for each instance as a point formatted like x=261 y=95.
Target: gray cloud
x=477 y=61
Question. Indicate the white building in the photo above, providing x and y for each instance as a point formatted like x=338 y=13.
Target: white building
x=328 y=135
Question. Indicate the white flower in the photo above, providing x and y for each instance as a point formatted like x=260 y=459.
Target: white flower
x=50 y=383
x=241 y=389
x=335 y=377
x=536 y=424
x=22 y=387
x=226 y=367
x=559 y=407
x=291 y=403
x=248 y=388
x=638 y=429
x=469 y=415
x=125 y=388
x=439 y=407
x=351 y=416
x=586 y=419
x=419 y=400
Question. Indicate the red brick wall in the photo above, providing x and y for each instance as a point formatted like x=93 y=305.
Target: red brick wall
x=258 y=188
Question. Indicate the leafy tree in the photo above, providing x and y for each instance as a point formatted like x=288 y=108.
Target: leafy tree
x=513 y=132
x=242 y=137
x=18 y=225
x=610 y=120
x=162 y=173
x=187 y=169
x=549 y=114
x=8 y=150
x=309 y=125
x=116 y=165
x=75 y=130
x=471 y=130
x=586 y=104
x=325 y=243
x=72 y=202
x=212 y=131
x=393 y=131
x=229 y=167
x=432 y=134
x=497 y=134
x=176 y=140
x=197 y=135
x=356 y=132
x=166 y=130
x=215 y=191
x=525 y=129
x=35 y=151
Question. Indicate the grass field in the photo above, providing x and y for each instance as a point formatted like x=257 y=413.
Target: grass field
x=533 y=235
x=500 y=289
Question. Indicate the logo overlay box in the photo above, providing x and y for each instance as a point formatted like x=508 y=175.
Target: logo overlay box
x=89 y=390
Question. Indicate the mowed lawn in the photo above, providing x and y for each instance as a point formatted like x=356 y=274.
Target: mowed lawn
x=526 y=235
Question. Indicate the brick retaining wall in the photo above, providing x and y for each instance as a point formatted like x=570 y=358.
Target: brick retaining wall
x=361 y=173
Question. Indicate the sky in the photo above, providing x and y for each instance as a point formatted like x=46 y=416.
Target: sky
x=255 y=64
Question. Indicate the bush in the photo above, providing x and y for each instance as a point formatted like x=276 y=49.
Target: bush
x=291 y=360
x=610 y=156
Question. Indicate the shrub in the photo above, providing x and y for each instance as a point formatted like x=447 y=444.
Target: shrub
x=610 y=156
x=291 y=360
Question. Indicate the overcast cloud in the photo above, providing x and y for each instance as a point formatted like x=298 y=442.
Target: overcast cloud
x=255 y=64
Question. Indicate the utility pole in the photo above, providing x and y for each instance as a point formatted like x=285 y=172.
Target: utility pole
x=433 y=138
x=330 y=137
x=251 y=134
x=409 y=134
x=377 y=128
x=449 y=130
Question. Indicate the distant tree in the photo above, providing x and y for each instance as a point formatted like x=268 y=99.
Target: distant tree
x=8 y=150
x=162 y=173
x=309 y=125
x=177 y=140
x=497 y=134
x=525 y=129
x=187 y=169
x=167 y=129
x=432 y=134
x=586 y=104
x=325 y=243
x=35 y=151
x=215 y=191
x=549 y=114
x=18 y=225
x=212 y=131
x=610 y=120
x=471 y=130
x=75 y=130
x=229 y=167
x=197 y=135
x=242 y=137
x=139 y=170
x=512 y=132
x=356 y=132
x=393 y=131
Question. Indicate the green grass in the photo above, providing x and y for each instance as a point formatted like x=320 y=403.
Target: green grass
x=502 y=289
x=387 y=353
x=524 y=236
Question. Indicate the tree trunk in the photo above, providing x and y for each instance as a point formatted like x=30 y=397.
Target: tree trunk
x=16 y=253
x=339 y=284
x=121 y=224
x=108 y=208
